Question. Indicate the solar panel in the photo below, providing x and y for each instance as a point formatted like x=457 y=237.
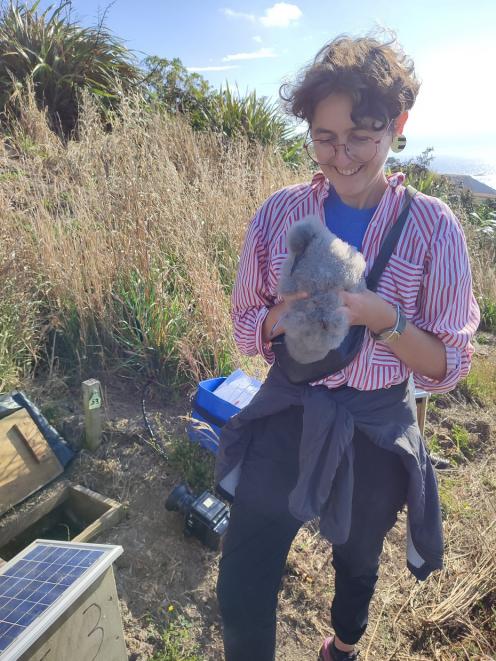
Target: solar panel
x=40 y=583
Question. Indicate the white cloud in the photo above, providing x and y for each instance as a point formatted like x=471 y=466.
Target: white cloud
x=239 y=14
x=281 y=15
x=255 y=55
x=213 y=68
x=258 y=39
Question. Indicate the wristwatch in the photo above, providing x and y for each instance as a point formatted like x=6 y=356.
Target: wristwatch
x=393 y=333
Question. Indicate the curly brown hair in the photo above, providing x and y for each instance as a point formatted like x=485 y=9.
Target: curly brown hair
x=379 y=78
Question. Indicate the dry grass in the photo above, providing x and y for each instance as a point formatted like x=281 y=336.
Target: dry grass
x=132 y=237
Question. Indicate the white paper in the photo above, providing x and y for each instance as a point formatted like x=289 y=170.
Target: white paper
x=238 y=388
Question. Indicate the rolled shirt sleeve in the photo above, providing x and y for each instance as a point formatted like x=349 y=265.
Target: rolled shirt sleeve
x=251 y=299
x=447 y=306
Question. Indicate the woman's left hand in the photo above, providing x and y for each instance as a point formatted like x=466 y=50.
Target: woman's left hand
x=367 y=308
x=421 y=351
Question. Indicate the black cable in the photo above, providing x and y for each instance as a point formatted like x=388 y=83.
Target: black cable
x=156 y=443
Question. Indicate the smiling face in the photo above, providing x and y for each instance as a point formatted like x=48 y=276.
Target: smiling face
x=359 y=185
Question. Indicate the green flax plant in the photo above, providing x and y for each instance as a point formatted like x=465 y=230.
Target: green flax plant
x=58 y=57
x=252 y=116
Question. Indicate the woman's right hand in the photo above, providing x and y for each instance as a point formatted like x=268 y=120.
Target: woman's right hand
x=272 y=326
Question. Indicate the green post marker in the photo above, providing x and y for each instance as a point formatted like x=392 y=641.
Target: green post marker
x=93 y=413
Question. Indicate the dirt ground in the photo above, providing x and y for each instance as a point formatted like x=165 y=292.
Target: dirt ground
x=160 y=567
x=164 y=578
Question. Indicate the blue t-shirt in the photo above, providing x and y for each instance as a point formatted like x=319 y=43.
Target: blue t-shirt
x=347 y=223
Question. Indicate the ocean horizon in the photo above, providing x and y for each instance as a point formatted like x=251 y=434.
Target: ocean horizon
x=481 y=168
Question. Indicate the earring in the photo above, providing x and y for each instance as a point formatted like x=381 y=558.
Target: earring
x=398 y=143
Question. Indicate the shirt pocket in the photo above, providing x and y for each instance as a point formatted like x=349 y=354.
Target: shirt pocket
x=400 y=283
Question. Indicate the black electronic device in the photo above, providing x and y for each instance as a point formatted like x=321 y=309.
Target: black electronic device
x=206 y=517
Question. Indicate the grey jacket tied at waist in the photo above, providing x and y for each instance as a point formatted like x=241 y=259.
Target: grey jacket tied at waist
x=325 y=482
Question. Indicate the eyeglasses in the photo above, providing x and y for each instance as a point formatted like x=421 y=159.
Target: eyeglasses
x=360 y=148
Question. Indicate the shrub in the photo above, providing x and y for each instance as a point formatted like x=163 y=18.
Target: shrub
x=58 y=58
x=223 y=111
x=170 y=85
x=250 y=115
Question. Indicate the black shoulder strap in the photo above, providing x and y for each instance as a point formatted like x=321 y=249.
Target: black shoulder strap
x=389 y=243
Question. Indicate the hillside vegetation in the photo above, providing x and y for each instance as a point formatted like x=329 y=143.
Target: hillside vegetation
x=119 y=249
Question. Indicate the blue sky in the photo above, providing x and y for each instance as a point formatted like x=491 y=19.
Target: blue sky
x=258 y=44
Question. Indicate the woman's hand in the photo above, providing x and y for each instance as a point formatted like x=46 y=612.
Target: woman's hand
x=367 y=308
x=421 y=351
x=363 y=308
x=272 y=326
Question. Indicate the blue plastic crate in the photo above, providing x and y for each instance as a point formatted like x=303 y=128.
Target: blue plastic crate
x=211 y=412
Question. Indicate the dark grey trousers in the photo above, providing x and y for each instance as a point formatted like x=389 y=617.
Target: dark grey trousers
x=261 y=530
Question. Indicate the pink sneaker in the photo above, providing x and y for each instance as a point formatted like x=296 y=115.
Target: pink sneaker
x=329 y=652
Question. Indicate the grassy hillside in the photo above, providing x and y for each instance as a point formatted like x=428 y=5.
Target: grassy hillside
x=120 y=249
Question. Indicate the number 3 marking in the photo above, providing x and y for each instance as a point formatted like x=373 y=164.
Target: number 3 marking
x=96 y=627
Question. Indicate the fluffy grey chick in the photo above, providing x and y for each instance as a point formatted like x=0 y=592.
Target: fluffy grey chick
x=321 y=264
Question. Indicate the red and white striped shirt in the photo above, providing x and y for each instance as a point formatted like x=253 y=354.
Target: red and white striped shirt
x=428 y=275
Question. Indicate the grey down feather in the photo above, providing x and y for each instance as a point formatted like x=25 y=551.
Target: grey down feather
x=321 y=264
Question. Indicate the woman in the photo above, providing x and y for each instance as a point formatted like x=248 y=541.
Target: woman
x=421 y=320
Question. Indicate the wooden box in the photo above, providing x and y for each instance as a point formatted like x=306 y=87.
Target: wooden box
x=85 y=512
